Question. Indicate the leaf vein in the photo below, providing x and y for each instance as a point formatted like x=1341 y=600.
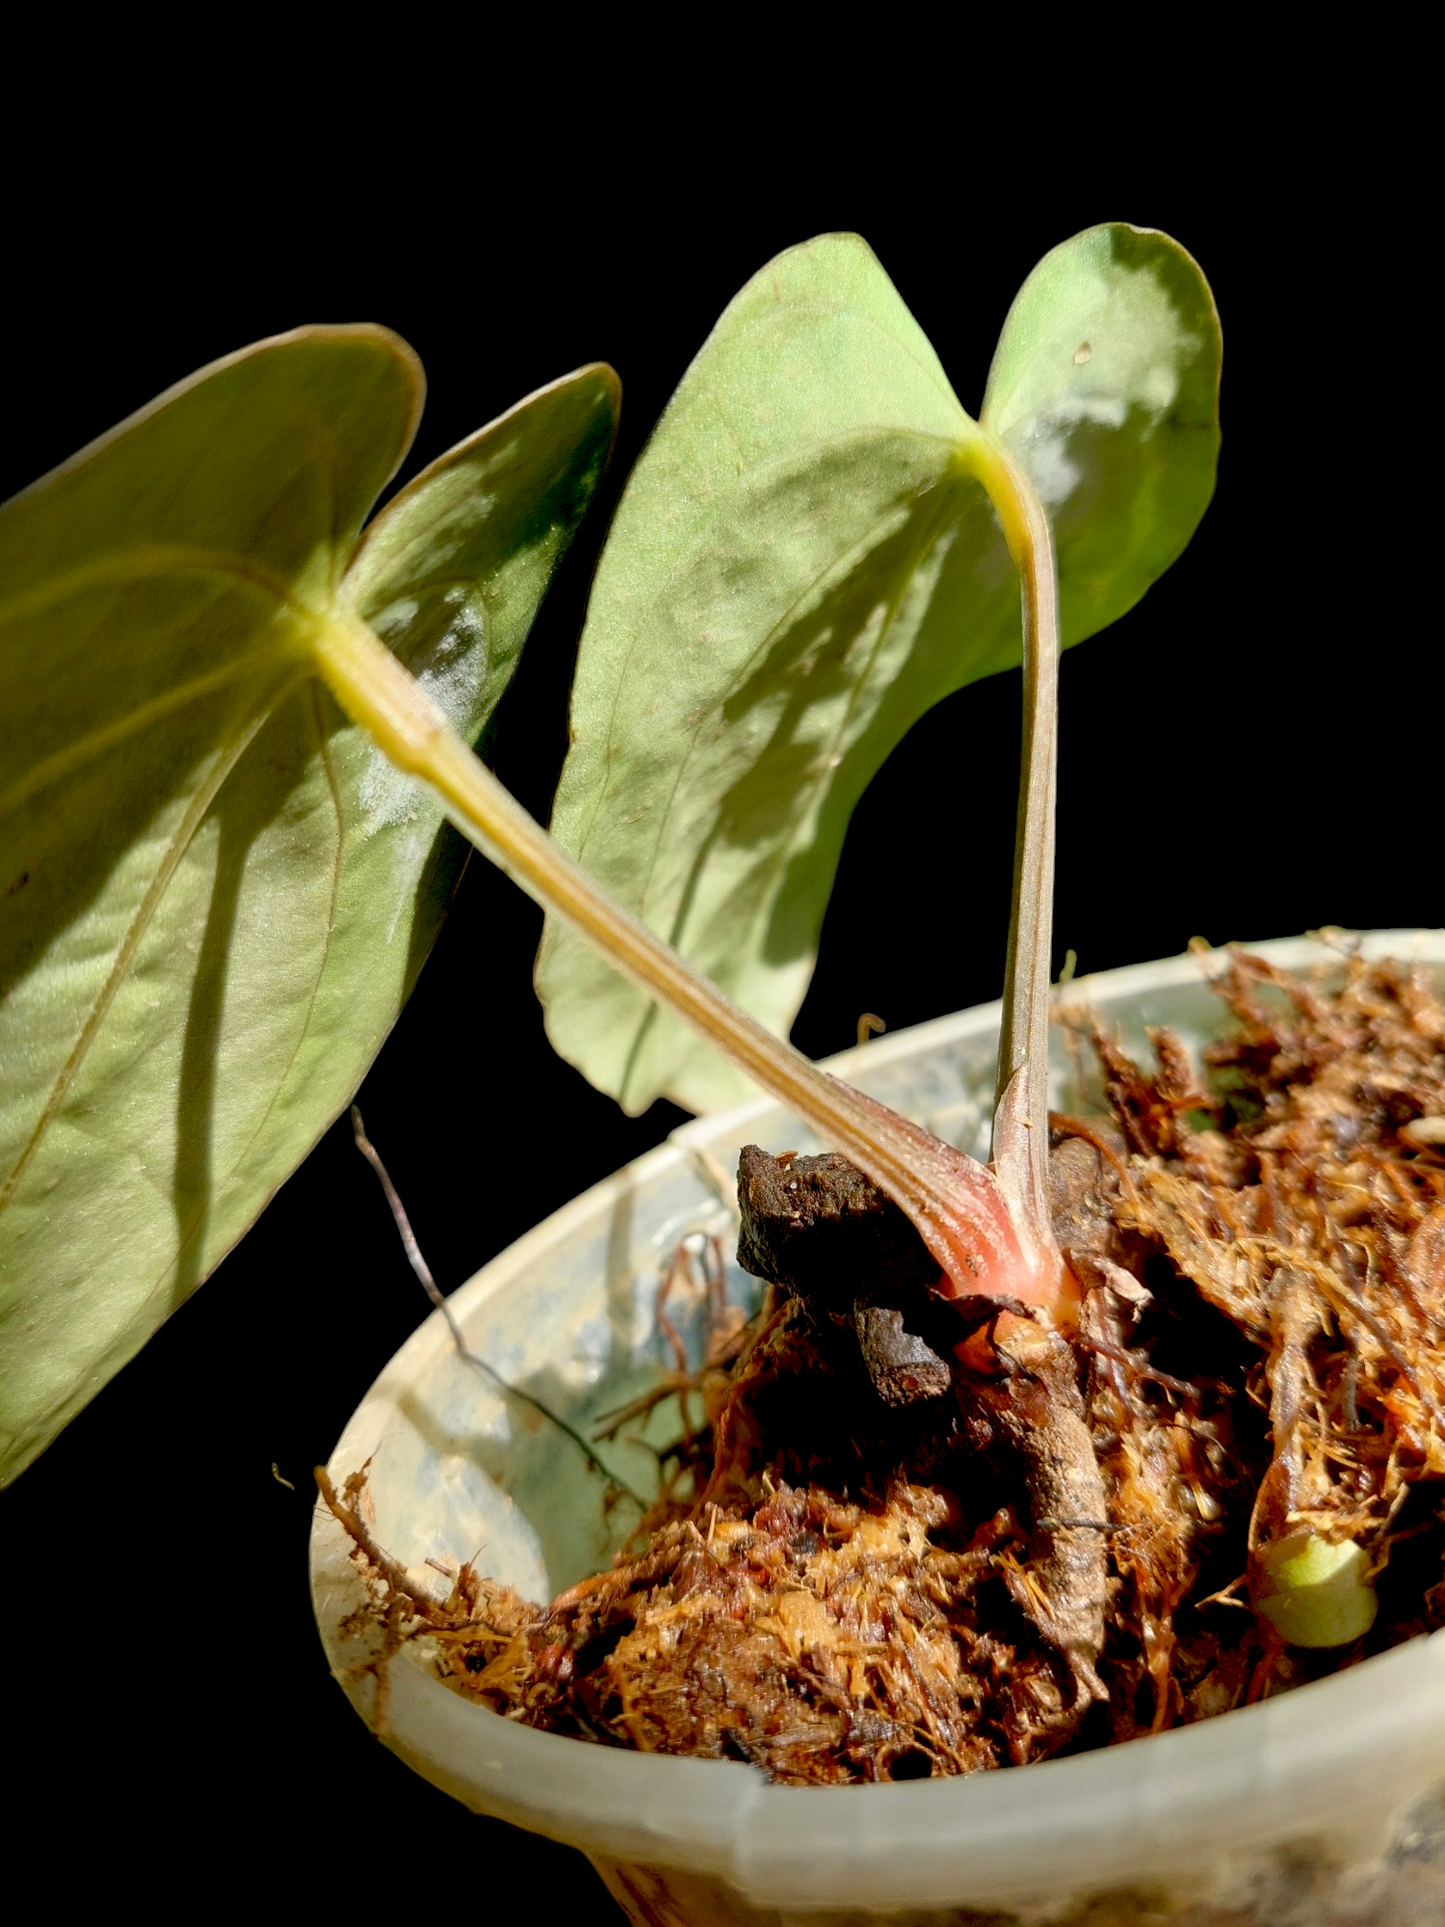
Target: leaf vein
x=283 y=1076
x=146 y=562
x=225 y=761
x=51 y=768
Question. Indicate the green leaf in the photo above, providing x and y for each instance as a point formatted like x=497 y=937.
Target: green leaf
x=217 y=894
x=801 y=567
x=1105 y=387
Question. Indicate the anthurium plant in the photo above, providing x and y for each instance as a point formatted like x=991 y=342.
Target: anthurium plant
x=235 y=719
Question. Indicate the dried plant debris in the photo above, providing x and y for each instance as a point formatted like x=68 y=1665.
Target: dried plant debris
x=912 y=1537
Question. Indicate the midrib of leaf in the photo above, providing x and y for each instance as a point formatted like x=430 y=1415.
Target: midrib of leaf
x=225 y=761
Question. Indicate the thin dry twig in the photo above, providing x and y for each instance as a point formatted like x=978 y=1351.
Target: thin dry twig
x=429 y=1285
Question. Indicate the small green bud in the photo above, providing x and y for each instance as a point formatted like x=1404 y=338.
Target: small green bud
x=1315 y=1592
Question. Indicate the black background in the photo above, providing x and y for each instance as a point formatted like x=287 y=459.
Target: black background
x=1251 y=753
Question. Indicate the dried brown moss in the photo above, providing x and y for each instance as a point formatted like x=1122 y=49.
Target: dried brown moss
x=1302 y=1197
x=867 y=1566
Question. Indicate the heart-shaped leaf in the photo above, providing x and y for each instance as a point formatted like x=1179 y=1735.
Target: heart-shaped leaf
x=802 y=565
x=218 y=894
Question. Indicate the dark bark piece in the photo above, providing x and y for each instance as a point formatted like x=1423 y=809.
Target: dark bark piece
x=902 y=1367
x=823 y=1232
x=818 y=1227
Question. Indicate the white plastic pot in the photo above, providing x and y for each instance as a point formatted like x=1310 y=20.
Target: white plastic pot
x=1325 y=1805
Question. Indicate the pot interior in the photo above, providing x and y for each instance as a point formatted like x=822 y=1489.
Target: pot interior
x=460 y=1470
